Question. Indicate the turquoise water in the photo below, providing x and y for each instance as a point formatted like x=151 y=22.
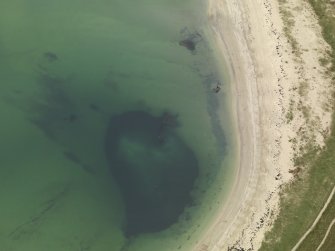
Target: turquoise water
x=80 y=171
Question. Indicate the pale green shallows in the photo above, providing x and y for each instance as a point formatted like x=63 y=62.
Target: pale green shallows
x=66 y=67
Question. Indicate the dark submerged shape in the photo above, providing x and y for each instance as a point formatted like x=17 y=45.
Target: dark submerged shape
x=50 y=56
x=153 y=167
x=190 y=39
x=188 y=44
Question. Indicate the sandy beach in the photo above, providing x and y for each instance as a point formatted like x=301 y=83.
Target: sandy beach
x=163 y=125
x=274 y=83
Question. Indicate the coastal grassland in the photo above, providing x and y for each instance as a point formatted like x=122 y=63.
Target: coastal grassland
x=288 y=19
x=315 y=237
x=329 y=243
x=325 y=10
x=303 y=198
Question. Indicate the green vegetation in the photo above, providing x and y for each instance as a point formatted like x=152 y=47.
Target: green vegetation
x=315 y=237
x=289 y=116
x=302 y=200
x=288 y=19
x=325 y=11
x=303 y=88
x=330 y=241
x=324 y=61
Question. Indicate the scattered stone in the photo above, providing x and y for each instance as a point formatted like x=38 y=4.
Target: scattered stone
x=188 y=44
x=217 y=88
x=50 y=56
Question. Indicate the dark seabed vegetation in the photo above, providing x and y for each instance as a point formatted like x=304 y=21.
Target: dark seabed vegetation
x=154 y=168
x=115 y=132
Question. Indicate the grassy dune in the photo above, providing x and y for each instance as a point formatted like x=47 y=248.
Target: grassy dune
x=330 y=241
x=302 y=200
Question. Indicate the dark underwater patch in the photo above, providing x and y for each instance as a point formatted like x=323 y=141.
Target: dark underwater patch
x=188 y=44
x=190 y=39
x=50 y=56
x=154 y=168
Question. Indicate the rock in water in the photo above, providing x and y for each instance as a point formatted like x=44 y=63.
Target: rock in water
x=154 y=168
x=188 y=44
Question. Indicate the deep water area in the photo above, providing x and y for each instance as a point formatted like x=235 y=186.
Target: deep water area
x=115 y=133
x=154 y=168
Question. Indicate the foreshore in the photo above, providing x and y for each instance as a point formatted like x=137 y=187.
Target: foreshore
x=265 y=74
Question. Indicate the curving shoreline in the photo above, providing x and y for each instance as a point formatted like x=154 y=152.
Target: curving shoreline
x=264 y=71
x=226 y=21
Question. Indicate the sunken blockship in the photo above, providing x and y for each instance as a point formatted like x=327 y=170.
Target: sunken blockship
x=188 y=44
x=154 y=169
x=190 y=40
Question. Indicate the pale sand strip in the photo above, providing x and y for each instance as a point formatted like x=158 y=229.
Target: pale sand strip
x=264 y=75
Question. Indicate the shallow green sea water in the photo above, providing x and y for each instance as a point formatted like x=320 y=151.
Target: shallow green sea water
x=67 y=70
